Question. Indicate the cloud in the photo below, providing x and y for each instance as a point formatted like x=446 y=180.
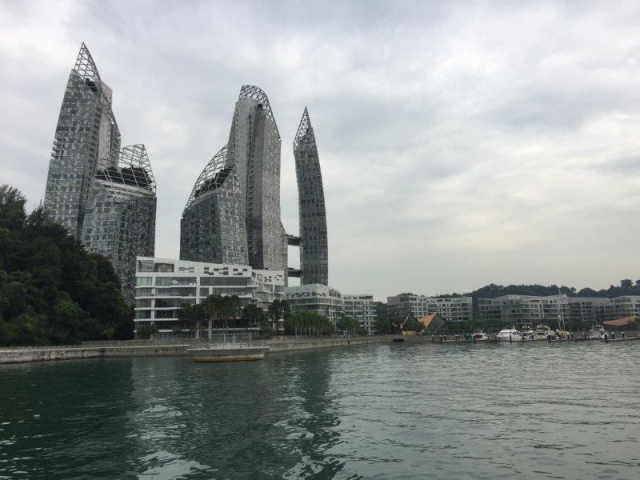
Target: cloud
x=461 y=143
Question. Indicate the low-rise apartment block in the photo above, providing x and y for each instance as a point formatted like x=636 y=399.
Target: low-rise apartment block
x=164 y=285
x=317 y=298
x=452 y=309
x=523 y=309
x=362 y=308
x=530 y=309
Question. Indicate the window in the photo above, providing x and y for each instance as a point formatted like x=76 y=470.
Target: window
x=172 y=281
x=145 y=266
x=173 y=302
x=166 y=314
x=163 y=267
x=223 y=281
x=144 y=281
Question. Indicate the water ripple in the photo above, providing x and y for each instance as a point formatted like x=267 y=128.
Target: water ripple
x=387 y=411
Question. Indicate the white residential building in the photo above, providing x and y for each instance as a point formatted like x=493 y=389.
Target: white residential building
x=452 y=309
x=317 y=298
x=591 y=309
x=529 y=309
x=164 y=285
x=362 y=308
x=524 y=309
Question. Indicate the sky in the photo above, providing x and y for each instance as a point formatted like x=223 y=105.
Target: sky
x=462 y=143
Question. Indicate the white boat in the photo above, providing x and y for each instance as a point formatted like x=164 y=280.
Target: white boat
x=528 y=333
x=597 y=331
x=479 y=336
x=542 y=332
x=509 y=334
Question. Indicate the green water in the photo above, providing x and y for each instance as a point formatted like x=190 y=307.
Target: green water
x=381 y=411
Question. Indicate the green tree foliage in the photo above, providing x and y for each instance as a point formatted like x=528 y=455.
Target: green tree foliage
x=51 y=290
x=384 y=325
x=279 y=309
x=307 y=324
x=347 y=325
x=253 y=315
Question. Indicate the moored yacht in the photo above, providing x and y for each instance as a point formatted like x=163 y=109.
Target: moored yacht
x=528 y=333
x=509 y=334
x=597 y=331
x=542 y=332
x=479 y=336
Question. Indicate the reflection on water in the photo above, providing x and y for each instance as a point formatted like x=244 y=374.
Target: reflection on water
x=386 y=411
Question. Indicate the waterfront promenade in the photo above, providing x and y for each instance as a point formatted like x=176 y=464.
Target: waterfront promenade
x=148 y=348
x=159 y=348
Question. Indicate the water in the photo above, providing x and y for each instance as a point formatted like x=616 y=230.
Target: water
x=380 y=411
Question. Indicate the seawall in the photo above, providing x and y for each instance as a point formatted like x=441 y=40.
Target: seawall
x=45 y=354
x=316 y=343
x=53 y=353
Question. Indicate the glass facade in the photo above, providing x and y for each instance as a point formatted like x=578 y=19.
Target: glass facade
x=120 y=217
x=233 y=214
x=104 y=195
x=213 y=226
x=86 y=132
x=314 y=248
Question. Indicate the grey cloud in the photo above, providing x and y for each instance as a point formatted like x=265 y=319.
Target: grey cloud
x=461 y=143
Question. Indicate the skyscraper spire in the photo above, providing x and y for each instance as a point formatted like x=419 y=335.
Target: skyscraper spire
x=314 y=249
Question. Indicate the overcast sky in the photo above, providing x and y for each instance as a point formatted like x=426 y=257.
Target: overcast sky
x=461 y=143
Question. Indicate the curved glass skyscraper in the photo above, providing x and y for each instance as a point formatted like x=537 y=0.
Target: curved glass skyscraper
x=314 y=249
x=254 y=146
x=103 y=195
x=213 y=226
x=120 y=216
x=253 y=161
x=86 y=132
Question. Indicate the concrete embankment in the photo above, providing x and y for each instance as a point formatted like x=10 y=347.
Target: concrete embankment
x=45 y=354
x=315 y=343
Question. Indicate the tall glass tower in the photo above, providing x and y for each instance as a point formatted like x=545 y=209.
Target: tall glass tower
x=213 y=227
x=120 y=216
x=314 y=250
x=86 y=132
x=233 y=213
x=103 y=195
x=254 y=146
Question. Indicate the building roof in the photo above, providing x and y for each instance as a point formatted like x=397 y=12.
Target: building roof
x=426 y=321
x=212 y=177
x=621 y=322
x=303 y=129
x=257 y=94
x=129 y=166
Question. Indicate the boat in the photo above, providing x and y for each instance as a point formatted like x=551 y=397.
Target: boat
x=509 y=334
x=528 y=333
x=479 y=336
x=597 y=331
x=227 y=352
x=543 y=332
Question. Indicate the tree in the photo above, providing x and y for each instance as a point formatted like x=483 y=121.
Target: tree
x=12 y=202
x=383 y=325
x=347 y=324
x=51 y=289
x=146 y=330
x=279 y=309
x=253 y=315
